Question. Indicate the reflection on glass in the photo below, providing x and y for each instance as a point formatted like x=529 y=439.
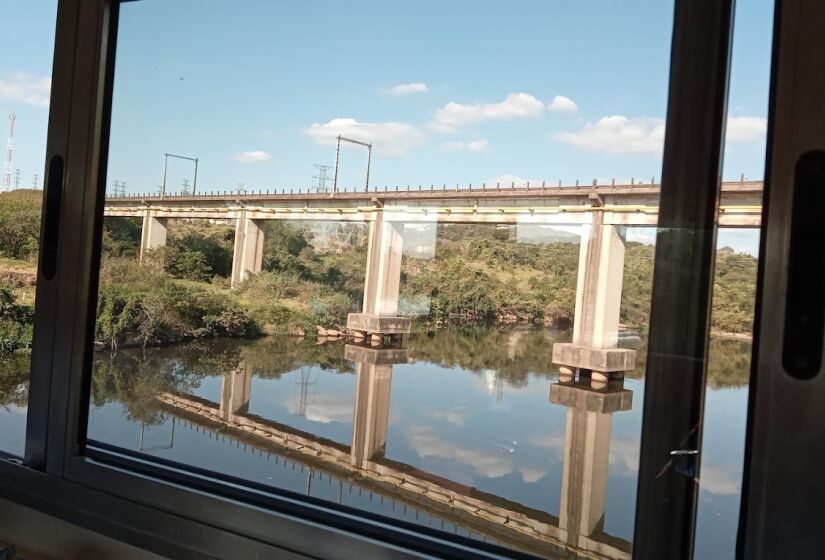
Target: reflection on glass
x=25 y=82
x=281 y=304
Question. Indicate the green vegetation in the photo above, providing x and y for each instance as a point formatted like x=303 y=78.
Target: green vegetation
x=16 y=323
x=313 y=275
x=20 y=224
x=138 y=306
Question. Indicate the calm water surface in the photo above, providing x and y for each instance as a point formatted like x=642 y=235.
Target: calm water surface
x=470 y=412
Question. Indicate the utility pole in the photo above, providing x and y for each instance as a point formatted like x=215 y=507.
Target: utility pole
x=322 y=177
x=338 y=157
x=166 y=157
x=36 y=178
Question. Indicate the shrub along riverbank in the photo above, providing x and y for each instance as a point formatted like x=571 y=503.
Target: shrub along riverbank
x=314 y=275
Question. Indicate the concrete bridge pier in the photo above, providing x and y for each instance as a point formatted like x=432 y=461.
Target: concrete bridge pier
x=372 y=399
x=236 y=389
x=153 y=233
x=586 y=456
x=379 y=317
x=248 y=251
x=598 y=297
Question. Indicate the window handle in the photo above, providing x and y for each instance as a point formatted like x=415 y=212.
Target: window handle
x=805 y=297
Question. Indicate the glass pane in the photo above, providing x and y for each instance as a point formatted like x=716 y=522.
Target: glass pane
x=25 y=80
x=734 y=293
x=395 y=261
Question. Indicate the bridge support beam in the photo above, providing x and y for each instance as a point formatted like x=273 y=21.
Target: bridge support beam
x=372 y=399
x=383 y=278
x=153 y=233
x=249 y=250
x=598 y=298
x=236 y=389
x=586 y=455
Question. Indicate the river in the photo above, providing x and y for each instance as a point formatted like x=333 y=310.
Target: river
x=475 y=416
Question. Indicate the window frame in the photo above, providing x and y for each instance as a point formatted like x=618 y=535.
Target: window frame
x=191 y=513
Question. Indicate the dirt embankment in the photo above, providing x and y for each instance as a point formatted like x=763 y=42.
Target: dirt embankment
x=18 y=278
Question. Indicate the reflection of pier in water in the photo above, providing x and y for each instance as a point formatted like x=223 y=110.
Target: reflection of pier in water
x=578 y=531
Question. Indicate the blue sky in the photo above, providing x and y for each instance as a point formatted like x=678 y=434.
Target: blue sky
x=448 y=92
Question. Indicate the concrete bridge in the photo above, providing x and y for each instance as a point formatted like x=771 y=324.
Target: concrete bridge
x=576 y=533
x=604 y=212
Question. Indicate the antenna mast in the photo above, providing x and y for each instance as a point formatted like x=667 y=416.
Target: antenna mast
x=10 y=153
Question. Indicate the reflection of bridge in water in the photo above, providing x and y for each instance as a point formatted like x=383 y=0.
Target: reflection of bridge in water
x=577 y=531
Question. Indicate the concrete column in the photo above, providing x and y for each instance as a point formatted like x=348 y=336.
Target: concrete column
x=236 y=389
x=249 y=250
x=598 y=299
x=153 y=233
x=372 y=399
x=586 y=454
x=383 y=280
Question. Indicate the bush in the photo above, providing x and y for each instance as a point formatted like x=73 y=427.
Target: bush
x=162 y=311
x=16 y=323
x=20 y=223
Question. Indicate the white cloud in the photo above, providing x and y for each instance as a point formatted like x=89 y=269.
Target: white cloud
x=255 y=156
x=479 y=145
x=746 y=129
x=563 y=104
x=618 y=134
x=391 y=138
x=516 y=105
x=406 y=89
x=28 y=89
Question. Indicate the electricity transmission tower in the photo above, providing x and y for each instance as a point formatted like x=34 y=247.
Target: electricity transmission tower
x=185 y=189
x=35 y=181
x=16 y=178
x=322 y=177
x=9 y=152
x=119 y=188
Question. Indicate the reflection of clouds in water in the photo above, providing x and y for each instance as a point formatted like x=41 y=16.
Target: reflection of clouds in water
x=718 y=480
x=324 y=408
x=549 y=441
x=485 y=462
x=532 y=474
x=624 y=457
x=456 y=415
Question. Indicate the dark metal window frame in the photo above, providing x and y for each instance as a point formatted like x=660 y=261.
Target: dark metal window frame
x=185 y=512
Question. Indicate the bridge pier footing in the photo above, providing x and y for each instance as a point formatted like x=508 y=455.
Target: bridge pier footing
x=598 y=299
x=379 y=318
